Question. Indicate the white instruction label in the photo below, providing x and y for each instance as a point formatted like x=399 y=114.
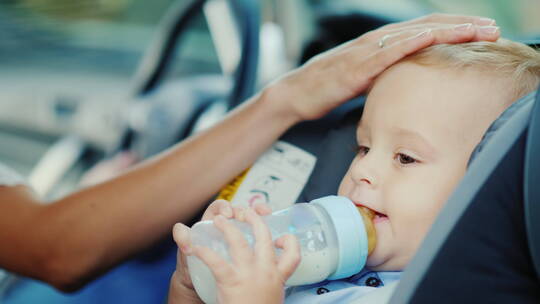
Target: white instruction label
x=277 y=178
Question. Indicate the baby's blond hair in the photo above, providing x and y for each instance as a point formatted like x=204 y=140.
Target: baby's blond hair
x=517 y=61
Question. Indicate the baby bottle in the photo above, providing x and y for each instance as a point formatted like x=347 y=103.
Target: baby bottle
x=335 y=239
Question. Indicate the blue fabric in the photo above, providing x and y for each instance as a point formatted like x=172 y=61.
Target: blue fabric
x=341 y=291
x=133 y=282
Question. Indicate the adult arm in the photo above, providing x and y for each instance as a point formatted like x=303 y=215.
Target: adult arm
x=70 y=241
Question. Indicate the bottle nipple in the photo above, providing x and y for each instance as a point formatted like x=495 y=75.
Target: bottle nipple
x=367 y=216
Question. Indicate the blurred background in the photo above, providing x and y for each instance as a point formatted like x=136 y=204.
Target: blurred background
x=84 y=80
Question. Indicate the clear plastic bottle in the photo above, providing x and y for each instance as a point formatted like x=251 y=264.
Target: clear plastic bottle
x=335 y=240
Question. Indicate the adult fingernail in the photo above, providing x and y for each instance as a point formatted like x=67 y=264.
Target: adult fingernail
x=485 y=21
x=489 y=29
x=463 y=27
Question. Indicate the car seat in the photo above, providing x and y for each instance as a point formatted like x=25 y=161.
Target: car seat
x=172 y=108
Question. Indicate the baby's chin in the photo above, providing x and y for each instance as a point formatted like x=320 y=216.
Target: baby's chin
x=375 y=263
x=379 y=262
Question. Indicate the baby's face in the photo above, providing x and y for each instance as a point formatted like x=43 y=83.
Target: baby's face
x=415 y=137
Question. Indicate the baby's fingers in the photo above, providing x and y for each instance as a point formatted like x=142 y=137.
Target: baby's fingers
x=221 y=269
x=262 y=209
x=290 y=258
x=182 y=237
x=239 y=248
x=218 y=207
x=264 y=247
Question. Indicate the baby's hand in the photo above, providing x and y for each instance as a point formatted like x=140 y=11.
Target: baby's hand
x=181 y=288
x=255 y=275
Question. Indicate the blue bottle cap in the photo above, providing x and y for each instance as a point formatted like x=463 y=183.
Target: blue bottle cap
x=351 y=233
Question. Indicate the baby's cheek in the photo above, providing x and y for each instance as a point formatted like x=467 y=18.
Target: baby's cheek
x=344 y=186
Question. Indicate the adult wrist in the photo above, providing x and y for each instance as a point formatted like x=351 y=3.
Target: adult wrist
x=276 y=98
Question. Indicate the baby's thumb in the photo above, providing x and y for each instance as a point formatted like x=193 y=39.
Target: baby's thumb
x=182 y=237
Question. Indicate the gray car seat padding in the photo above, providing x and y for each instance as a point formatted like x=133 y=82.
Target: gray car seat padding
x=480 y=169
x=532 y=185
x=497 y=124
x=335 y=154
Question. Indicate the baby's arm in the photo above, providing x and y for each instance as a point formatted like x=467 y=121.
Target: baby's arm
x=255 y=275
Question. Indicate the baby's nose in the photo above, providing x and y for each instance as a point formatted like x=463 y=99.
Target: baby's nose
x=362 y=174
x=365 y=180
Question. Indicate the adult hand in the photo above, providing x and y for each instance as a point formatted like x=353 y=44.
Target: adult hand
x=181 y=288
x=331 y=78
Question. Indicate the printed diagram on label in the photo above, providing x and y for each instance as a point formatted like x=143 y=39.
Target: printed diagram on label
x=262 y=189
x=276 y=178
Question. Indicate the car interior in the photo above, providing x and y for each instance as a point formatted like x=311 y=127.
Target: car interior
x=81 y=82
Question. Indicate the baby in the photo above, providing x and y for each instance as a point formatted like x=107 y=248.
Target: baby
x=422 y=119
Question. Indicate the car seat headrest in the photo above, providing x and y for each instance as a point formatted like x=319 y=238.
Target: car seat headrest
x=497 y=124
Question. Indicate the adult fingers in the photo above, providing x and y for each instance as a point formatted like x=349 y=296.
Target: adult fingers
x=445 y=34
x=443 y=18
x=381 y=59
x=264 y=247
x=487 y=33
x=389 y=54
x=221 y=269
x=290 y=257
x=465 y=33
x=217 y=207
x=239 y=248
x=425 y=26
